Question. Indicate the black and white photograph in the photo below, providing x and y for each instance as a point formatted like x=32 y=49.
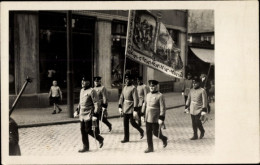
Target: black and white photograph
x=129 y=82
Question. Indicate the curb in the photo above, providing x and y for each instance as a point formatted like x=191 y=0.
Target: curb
x=72 y=120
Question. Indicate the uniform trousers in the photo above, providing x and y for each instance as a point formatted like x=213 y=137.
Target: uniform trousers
x=152 y=129
x=86 y=129
x=130 y=117
x=185 y=99
x=104 y=120
x=196 y=123
x=139 y=111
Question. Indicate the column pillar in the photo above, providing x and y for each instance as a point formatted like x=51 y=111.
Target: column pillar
x=182 y=42
x=26 y=45
x=103 y=60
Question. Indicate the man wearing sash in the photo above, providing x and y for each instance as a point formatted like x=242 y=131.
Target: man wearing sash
x=128 y=103
x=102 y=100
x=87 y=111
x=154 y=108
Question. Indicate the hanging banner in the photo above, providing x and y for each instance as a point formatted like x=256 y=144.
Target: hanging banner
x=149 y=43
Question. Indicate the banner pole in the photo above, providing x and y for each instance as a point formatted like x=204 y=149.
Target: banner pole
x=128 y=24
x=207 y=75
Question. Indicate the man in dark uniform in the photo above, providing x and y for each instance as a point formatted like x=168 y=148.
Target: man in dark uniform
x=196 y=105
x=142 y=92
x=154 y=108
x=88 y=113
x=102 y=101
x=128 y=103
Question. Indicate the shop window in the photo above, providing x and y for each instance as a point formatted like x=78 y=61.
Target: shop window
x=118 y=56
x=53 y=49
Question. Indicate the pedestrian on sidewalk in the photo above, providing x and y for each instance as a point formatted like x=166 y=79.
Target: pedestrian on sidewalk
x=204 y=83
x=154 y=108
x=103 y=102
x=142 y=91
x=187 y=85
x=196 y=105
x=55 y=96
x=88 y=113
x=128 y=103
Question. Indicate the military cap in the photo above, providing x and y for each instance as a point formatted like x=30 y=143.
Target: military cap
x=196 y=79
x=97 y=78
x=139 y=78
x=128 y=76
x=84 y=78
x=153 y=82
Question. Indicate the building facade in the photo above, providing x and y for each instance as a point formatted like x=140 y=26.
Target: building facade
x=37 y=48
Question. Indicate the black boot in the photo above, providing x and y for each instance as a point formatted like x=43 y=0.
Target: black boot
x=84 y=150
x=148 y=150
x=60 y=110
x=110 y=128
x=195 y=137
x=202 y=134
x=124 y=141
x=165 y=142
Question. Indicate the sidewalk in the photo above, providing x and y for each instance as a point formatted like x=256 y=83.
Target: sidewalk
x=29 y=117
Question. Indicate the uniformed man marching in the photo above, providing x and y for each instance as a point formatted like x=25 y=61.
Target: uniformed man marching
x=154 y=108
x=102 y=100
x=142 y=92
x=196 y=105
x=128 y=103
x=87 y=111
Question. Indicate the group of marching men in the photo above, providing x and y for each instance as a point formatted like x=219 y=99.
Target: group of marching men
x=135 y=104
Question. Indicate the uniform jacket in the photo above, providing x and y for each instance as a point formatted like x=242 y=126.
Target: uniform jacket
x=88 y=104
x=129 y=99
x=197 y=99
x=154 y=107
x=187 y=85
x=102 y=95
x=142 y=92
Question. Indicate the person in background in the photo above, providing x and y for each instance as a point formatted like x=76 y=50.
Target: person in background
x=128 y=106
x=87 y=111
x=102 y=99
x=142 y=92
x=204 y=83
x=196 y=105
x=187 y=85
x=55 y=96
x=211 y=96
x=154 y=111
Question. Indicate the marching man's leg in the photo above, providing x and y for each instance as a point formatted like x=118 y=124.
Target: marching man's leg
x=194 y=126
x=126 y=129
x=149 y=134
x=136 y=126
x=161 y=136
x=84 y=136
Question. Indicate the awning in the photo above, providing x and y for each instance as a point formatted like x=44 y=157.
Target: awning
x=206 y=55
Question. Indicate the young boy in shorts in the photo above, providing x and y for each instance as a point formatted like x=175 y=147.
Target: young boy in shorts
x=55 y=96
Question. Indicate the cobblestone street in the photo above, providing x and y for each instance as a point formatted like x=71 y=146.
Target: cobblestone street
x=65 y=140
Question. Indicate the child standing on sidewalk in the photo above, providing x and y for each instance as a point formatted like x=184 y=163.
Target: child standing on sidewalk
x=55 y=96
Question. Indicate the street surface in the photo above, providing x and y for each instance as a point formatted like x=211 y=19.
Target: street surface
x=65 y=139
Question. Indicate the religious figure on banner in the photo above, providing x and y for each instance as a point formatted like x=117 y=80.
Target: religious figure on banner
x=143 y=34
x=150 y=43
